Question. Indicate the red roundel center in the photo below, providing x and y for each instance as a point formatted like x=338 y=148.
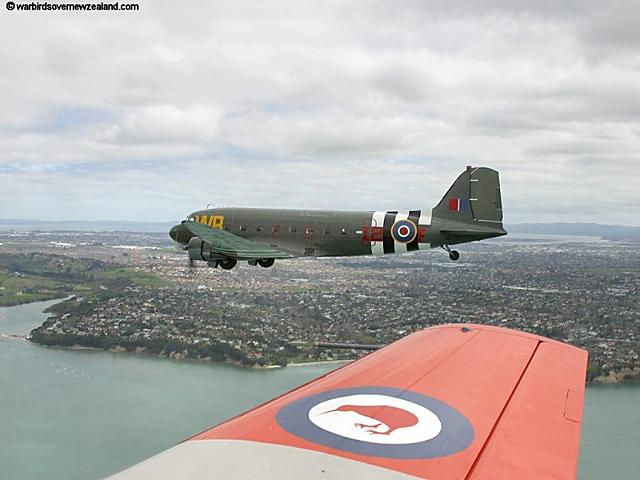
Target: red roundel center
x=392 y=417
x=404 y=231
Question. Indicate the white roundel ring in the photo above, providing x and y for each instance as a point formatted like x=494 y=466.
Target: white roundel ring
x=376 y=418
x=404 y=231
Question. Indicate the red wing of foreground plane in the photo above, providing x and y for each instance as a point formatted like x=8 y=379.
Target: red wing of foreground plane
x=449 y=402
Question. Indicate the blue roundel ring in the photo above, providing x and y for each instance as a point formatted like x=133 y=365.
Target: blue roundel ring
x=404 y=231
x=455 y=435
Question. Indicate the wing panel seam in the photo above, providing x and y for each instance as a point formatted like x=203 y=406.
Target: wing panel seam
x=499 y=419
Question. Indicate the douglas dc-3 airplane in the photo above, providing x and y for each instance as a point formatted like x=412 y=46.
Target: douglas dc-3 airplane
x=470 y=210
x=453 y=402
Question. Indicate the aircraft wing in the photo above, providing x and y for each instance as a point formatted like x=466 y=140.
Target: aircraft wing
x=229 y=245
x=465 y=402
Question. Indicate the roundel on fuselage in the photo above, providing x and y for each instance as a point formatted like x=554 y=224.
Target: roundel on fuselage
x=404 y=231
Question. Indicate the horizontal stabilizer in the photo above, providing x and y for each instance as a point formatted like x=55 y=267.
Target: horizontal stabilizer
x=451 y=234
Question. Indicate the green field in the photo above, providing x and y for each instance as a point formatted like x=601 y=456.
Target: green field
x=17 y=288
x=36 y=277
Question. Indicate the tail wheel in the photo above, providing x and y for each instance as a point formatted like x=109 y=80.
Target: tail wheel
x=228 y=263
x=266 y=262
x=453 y=254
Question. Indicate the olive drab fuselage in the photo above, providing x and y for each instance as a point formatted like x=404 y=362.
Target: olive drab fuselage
x=470 y=210
x=322 y=233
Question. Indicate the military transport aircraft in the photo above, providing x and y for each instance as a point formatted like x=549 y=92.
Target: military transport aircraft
x=470 y=210
x=453 y=402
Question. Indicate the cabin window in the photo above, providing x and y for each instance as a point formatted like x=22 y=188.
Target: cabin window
x=275 y=229
x=259 y=228
x=293 y=229
x=243 y=228
x=343 y=231
x=308 y=230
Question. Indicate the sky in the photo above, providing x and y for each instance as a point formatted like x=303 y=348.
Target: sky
x=368 y=105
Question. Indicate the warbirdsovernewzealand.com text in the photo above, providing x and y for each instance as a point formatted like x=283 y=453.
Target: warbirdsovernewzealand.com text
x=77 y=7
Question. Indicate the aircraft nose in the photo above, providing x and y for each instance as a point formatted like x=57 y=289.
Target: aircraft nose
x=181 y=234
x=174 y=233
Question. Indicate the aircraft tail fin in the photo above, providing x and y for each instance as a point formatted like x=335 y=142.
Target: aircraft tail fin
x=473 y=199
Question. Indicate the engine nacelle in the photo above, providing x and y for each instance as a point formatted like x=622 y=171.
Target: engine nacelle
x=199 y=249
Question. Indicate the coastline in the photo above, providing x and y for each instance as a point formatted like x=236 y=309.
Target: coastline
x=319 y=362
x=624 y=377
x=11 y=336
x=174 y=356
x=34 y=298
x=618 y=377
x=614 y=377
x=177 y=356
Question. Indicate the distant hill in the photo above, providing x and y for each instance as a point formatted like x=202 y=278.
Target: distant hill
x=85 y=226
x=586 y=229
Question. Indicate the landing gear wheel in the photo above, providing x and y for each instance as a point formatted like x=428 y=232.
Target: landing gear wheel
x=266 y=262
x=453 y=254
x=228 y=263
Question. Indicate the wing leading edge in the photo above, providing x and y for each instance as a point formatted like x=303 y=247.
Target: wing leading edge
x=228 y=245
x=450 y=402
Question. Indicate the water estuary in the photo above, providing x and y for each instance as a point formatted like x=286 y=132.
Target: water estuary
x=85 y=414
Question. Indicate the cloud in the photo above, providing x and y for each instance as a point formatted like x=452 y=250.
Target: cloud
x=165 y=124
x=362 y=105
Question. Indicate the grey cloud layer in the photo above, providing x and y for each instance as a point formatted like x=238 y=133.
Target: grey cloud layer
x=353 y=105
